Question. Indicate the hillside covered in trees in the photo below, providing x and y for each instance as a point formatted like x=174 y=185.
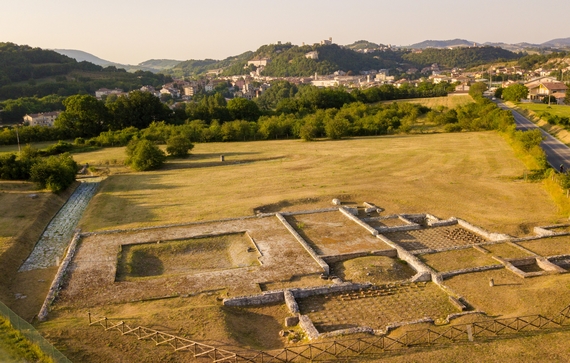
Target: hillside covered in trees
x=29 y=72
x=459 y=57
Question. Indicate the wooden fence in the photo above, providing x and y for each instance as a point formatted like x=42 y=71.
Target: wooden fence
x=352 y=347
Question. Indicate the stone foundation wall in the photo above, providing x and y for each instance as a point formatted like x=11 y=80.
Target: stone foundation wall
x=268 y=297
x=304 y=243
x=347 y=213
x=291 y=302
x=480 y=231
x=448 y=274
x=423 y=272
x=54 y=288
x=349 y=256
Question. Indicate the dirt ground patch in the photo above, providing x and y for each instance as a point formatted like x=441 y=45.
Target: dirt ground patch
x=332 y=233
x=376 y=307
x=435 y=238
x=189 y=257
x=548 y=246
x=457 y=259
x=373 y=269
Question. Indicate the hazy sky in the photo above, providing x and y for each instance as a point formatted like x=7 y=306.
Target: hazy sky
x=132 y=31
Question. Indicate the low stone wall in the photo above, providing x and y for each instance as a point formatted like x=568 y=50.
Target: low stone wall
x=323 y=210
x=349 y=256
x=307 y=325
x=424 y=273
x=322 y=290
x=268 y=297
x=409 y=227
x=304 y=243
x=357 y=330
x=546 y=265
x=113 y=231
x=54 y=288
x=486 y=234
x=291 y=302
x=443 y=223
x=351 y=216
x=542 y=232
x=448 y=274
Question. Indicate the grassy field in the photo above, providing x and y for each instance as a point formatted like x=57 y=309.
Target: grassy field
x=558 y=110
x=444 y=174
x=432 y=102
x=534 y=110
x=14 y=347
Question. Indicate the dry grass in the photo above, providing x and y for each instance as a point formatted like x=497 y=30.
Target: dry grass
x=22 y=220
x=549 y=246
x=505 y=250
x=432 y=102
x=374 y=269
x=445 y=174
x=456 y=260
x=513 y=295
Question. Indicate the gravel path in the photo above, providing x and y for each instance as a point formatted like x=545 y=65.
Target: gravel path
x=53 y=242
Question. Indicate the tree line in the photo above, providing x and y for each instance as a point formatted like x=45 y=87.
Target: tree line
x=87 y=117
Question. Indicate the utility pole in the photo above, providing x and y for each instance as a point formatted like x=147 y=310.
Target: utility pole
x=18 y=139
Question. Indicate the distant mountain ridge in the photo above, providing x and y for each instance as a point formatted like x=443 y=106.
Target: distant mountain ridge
x=554 y=43
x=152 y=65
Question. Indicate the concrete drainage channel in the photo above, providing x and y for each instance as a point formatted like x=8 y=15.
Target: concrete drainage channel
x=57 y=235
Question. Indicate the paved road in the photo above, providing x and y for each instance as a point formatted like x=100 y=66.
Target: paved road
x=556 y=152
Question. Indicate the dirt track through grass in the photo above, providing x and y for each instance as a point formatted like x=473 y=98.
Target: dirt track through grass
x=469 y=175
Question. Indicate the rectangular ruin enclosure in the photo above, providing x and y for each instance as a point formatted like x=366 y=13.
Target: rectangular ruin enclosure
x=186 y=257
x=377 y=307
x=553 y=246
x=435 y=238
x=333 y=233
x=506 y=250
x=457 y=259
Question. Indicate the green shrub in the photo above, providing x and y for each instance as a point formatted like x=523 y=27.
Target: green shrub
x=178 y=146
x=143 y=155
x=55 y=173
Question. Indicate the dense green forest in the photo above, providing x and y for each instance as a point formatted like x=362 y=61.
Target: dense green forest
x=460 y=57
x=288 y=60
x=34 y=72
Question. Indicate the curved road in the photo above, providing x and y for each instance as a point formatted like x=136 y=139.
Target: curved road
x=557 y=153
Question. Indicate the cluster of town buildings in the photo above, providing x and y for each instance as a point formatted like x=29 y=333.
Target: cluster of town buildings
x=539 y=83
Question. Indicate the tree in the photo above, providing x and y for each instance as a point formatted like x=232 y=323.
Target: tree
x=55 y=173
x=178 y=146
x=477 y=89
x=515 y=92
x=138 y=109
x=567 y=98
x=243 y=109
x=84 y=116
x=143 y=155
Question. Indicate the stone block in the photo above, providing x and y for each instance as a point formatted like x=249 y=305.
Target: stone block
x=336 y=201
x=291 y=321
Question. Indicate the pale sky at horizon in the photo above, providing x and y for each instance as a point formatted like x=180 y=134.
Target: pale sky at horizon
x=132 y=31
